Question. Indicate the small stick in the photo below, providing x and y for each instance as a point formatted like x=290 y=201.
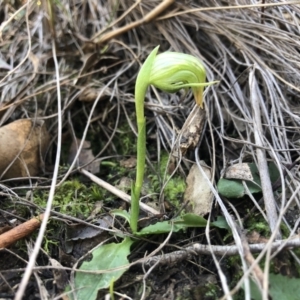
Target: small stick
x=10 y=237
x=149 y=17
x=256 y=270
x=266 y=184
x=175 y=257
x=275 y=186
x=117 y=192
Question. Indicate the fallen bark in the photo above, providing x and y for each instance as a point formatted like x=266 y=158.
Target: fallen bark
x=10 y=237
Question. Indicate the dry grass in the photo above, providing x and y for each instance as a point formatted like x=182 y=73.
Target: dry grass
x=253 y=113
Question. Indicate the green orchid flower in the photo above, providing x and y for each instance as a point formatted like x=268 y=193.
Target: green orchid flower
x=169 y=72
x=172 y=71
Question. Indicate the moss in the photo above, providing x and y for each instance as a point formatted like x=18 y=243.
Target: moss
x=202 y=291
x=125 y=140
x=211 y=292
x=258 y=223
x=284 y=230
x=175 y=187
x=116 y=172
x=51 y=238
x=72 y=198
x=174 y=190
x=235 y=270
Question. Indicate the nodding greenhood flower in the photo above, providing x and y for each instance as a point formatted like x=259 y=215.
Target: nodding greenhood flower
x=172 y=71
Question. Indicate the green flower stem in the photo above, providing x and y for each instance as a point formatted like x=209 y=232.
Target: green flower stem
x=141 y=86
x=170 y=72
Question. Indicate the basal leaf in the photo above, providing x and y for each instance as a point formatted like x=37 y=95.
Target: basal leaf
x=231 y=188
x=191 y=220
x=159 y=228
x=273 y=171
x=105 y=258
x=281 y=287
x=234 y=188
x=121 y=213
x=186 y=221
x=221 y=223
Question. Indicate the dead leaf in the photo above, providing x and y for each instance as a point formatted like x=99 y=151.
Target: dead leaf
x=96 y=210
x=80 y=238
x=23 y=144
x=125 y=184
x=86 y=157
x=198 y=192
x=254 y=237
x=192 y=129
x=128 y=163
x=88 y=95
x=240 y=171
x=190 y=134
x=82 y=231
x=60 y=275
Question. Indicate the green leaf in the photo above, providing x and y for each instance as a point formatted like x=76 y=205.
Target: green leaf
x=273 y=171
x=105 y=258
x=221 y=223
x=191 y=220
x=231 y=188
x=234 y=188
x=159 y=228
x=183 y=222
x=121 y=213
x=281 y=287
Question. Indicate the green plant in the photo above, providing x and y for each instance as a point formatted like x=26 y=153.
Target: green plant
x=170 y=72
x=280 y=287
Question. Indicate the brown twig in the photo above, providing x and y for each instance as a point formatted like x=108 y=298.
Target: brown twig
x=10 y=237
x=197 y=249
x=256 y=270
x=148 y=18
